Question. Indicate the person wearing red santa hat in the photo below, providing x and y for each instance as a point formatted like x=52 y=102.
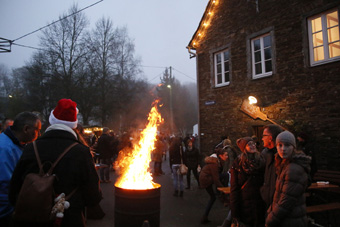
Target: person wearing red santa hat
x=74 y=171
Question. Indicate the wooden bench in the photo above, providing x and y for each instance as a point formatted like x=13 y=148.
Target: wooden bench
x=225 y=190
x=323 y=196
x=323 y=207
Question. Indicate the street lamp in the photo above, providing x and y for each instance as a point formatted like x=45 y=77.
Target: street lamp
x=171 y=110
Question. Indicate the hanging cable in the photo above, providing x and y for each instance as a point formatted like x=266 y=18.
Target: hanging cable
x=57 y=20
x=20 y=45
x=147 y=66
x=185 y=74
x=156 y=77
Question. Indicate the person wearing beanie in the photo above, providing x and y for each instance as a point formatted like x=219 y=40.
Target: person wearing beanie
x=247 y=173
x=75 y=171
x=292 y=169
x=286 y=137
x=242 y=142
x=269 y=135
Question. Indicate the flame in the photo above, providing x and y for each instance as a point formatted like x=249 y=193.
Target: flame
x=134 y=165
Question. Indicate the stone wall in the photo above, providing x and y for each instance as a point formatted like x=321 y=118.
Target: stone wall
x=298 y=96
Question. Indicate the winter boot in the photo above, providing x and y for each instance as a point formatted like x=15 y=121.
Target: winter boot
x=175 y=193
x=181 y=194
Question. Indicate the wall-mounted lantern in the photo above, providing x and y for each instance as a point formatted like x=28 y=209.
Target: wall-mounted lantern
x=254 y=111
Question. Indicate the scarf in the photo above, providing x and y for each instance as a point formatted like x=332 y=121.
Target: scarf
x=252 y=165
x=62 y=127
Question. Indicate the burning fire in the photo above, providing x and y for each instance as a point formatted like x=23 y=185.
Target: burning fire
x=134 y=166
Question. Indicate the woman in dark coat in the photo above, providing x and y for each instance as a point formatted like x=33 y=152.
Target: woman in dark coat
x=247 y=173
x=210 y=176
x=292 y=169
x=192 y=159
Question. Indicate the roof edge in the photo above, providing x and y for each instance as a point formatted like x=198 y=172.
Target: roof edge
x=202 y=23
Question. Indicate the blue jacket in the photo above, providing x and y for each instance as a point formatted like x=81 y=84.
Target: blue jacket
x=10 y=153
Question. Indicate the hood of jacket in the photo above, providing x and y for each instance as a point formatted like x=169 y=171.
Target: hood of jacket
x=211 y=159
x=298 y=158
x=303 y=160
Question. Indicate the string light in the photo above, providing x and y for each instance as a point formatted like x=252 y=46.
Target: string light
x=204 y=23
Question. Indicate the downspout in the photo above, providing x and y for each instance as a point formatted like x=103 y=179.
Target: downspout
x=192 y=54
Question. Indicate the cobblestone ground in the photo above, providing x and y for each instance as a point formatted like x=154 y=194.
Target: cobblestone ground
x=175 y=211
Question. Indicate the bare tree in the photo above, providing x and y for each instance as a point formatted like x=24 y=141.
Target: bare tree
x=98 y=69
x=65 y=51
x=5 y=87
x=112 y=59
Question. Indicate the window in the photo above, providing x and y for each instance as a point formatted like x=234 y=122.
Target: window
x=324 y=41
x=221 y=63
x=261 y=48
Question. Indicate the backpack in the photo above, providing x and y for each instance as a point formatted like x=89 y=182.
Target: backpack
x=36 y=196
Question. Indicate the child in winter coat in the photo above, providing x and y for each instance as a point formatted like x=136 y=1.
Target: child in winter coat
x=292 y=169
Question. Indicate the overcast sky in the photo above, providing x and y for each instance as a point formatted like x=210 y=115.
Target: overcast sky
x=161 y=29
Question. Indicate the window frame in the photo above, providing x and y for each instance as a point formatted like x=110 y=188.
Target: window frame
x=325 y=43
x=265 y=74
x=221 y=52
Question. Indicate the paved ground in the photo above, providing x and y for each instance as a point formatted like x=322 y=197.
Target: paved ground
x=175 y=211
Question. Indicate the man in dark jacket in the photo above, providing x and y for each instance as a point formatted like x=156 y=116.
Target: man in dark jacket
x=269 y=135
x=105 y=150
x=75 y=171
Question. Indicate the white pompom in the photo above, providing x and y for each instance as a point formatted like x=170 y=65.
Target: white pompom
x=66 y=204
x=60 y=215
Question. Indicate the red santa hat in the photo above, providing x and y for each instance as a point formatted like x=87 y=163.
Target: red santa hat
x=65 y=113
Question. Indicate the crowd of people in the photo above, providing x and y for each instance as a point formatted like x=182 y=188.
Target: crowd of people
x=266 y=187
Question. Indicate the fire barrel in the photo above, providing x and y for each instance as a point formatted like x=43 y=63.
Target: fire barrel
x=133 y=207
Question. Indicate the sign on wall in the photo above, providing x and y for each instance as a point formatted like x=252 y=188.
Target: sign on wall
x=255 y=112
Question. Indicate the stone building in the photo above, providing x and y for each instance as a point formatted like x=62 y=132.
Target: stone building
x=286 y=53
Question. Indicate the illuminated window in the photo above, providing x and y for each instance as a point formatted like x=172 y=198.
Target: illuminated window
x=324 y=41
x=261 y=48
x=222 y=73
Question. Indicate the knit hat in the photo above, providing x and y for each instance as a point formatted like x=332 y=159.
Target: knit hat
x=226 y=142
x=65 y=113
x=242 y=142
x=286 y=137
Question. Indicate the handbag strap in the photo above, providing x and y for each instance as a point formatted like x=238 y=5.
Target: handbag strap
x=71 y=194
x=180 y=151
x=41 y=171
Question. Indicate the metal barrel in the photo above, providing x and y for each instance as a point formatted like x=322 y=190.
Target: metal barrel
x=133 y=207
